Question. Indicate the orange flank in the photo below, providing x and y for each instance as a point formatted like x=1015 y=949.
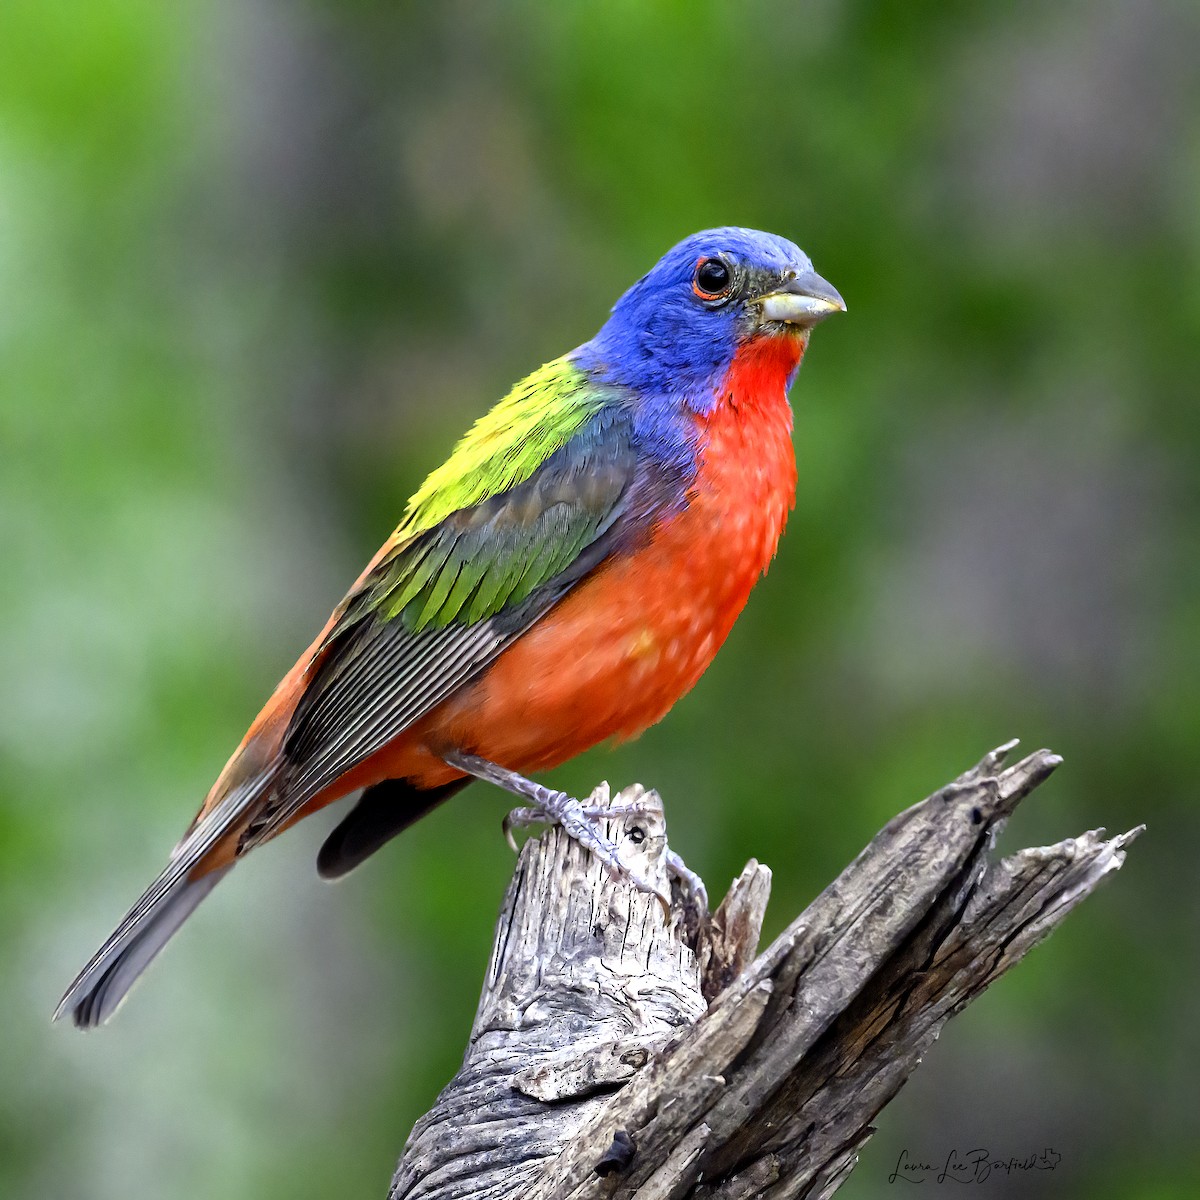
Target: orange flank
x=625 y=644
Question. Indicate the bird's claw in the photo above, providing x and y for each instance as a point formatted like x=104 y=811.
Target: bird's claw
x=524 y=817
x=579 y=822
x=520 y=818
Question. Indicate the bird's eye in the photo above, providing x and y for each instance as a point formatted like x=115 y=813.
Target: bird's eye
x=712 y=279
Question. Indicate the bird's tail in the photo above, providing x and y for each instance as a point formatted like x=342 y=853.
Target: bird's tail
x=145 y=930
x=165 y=904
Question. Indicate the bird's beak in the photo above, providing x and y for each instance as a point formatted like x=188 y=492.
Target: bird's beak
x=802 y=301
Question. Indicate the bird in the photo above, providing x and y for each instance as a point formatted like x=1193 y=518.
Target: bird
x=560 y=581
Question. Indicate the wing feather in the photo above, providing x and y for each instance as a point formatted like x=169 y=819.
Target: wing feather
x=439 y=609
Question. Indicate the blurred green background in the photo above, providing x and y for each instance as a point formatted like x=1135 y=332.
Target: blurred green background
x=261 y=263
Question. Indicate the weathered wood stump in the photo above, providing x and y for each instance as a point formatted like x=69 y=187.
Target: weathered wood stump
x=619 y=1052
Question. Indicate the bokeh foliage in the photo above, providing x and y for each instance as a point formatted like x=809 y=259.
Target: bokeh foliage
x=261 y=263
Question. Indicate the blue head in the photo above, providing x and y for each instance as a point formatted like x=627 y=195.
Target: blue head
x=676 y=331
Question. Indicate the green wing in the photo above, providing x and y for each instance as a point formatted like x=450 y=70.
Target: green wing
x=453 y=592
x=496 y=521
x=480 y=561
x=504 y=448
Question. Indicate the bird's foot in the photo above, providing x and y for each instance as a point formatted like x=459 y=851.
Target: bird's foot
x=691 y=886
x=582 y=822
x=547 y=806
x=523 y=818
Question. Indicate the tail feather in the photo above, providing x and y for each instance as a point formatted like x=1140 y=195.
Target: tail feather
x=103 y=983
x=161 y=908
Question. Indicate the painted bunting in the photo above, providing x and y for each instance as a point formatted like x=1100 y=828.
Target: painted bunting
x=562 y=579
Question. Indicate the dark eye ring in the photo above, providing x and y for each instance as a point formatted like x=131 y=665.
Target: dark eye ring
x=712 y=278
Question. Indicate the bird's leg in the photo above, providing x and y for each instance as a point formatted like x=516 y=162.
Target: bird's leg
x=556 y=808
